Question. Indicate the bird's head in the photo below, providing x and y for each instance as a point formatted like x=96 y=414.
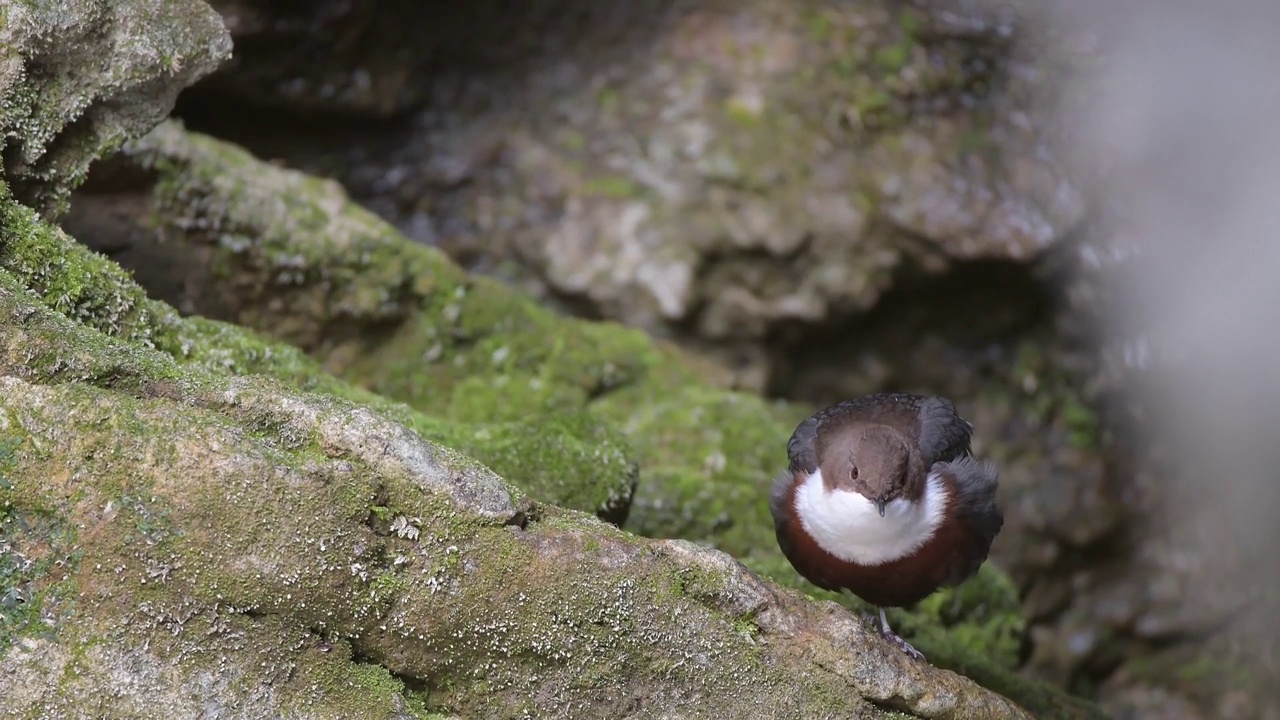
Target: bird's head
x=873 y=461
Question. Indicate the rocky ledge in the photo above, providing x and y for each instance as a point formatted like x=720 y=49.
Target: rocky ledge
x=404 y=504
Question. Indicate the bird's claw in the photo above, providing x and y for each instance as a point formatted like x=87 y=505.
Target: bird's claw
x=903 y=645
x=896 y=639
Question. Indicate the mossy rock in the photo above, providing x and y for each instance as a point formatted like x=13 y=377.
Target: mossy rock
x=483 y=368
x=314 y=556
x=113 y=72
x=551 y=455
x=708 y=459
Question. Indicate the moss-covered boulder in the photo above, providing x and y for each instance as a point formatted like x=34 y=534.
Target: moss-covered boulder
x=217 y=232
x=197 y=519
x=598 y=475
x=77 y=78
x=184 y=541
x=465 y=352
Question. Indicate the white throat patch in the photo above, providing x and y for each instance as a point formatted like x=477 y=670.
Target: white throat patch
x=848 y=525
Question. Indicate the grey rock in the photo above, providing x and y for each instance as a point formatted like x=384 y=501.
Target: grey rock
x=717 y=171
x=78 y=78
x=217 y=534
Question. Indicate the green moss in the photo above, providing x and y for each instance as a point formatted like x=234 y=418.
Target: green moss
x=220 y=348
x=980 y=620
x=481 y=331
x=570 y=458
x=846 y=66
x=608 y=100
x=1082 y=423
x=872 y=103
x=84 y=286
x=36 y=545
x=819 y=25
x=1195 y=671
x=568 y=467
x=352 y=689
x=572 y=140
x=741 y=113
x=617 y=187
x=894 y=57
x=10 y=442
x=140 y=548
x=909 y=22
x=617 y=633
x=19 y=610
x=972 y=140
x=512 y=396
x=707 y=458
x=1054 y=397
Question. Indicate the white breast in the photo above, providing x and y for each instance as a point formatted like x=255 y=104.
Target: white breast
x=849 y=526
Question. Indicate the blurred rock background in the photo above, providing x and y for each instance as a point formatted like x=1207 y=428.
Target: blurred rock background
x=996 y=202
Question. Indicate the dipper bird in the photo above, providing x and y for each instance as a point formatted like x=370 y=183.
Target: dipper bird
x=883 y=498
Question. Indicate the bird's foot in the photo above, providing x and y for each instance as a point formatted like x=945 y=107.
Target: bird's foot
x=896 y=639
x=903 y=645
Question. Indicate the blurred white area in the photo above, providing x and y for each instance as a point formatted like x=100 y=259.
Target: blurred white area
x=1181 y=127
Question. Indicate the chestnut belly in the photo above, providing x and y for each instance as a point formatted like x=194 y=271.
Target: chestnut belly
x=948 y=558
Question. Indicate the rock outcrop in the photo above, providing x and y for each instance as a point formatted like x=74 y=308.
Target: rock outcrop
x=197 y=519
x=180 y=538
x=831 y=198
x=738 y=175
x=78 y=78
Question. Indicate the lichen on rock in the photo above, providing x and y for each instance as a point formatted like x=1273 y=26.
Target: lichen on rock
x=62 y=105
x=599 y=477
x=473 y=359
x=229 y=533
x=200 y=519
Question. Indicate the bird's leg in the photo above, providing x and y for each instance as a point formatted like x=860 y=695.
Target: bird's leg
x=894 y=638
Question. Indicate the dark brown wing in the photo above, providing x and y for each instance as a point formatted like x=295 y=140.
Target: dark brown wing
x=929 y=419
x=976 y=482
x=944 y=435
x=801 y=450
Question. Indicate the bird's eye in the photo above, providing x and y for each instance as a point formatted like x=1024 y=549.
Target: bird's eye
x=853 y=472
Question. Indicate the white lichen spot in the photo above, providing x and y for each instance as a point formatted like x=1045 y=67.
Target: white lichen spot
x=715 y=462
x=405 y=528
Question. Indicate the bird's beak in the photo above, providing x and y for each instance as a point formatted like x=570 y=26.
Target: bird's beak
x=880 y=505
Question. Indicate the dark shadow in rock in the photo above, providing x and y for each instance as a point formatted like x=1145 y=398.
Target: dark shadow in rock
x=938 y=333
x=341 y=60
